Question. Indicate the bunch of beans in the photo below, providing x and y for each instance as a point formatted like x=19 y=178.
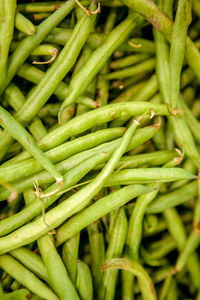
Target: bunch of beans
x=99 y=150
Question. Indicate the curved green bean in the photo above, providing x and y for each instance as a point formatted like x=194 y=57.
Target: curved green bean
x=145 y=282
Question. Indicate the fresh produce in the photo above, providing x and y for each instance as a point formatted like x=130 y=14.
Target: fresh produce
x=99 y=150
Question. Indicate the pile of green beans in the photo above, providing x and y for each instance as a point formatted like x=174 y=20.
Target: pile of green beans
x=99 y=150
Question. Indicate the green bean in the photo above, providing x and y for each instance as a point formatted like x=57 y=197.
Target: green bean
x=40 y=7
x=146 y=66
x=60 y=36
x=141 y=136
x=59 y=153
x=146 y=175
x=128 y=60
x=70 y=256
x=25 y=277
x=189 y=247
x=177 y=50
x=96 y=117
x=71 y=178
x=45 y=49
x=151 y=159
x=82 y=79
x=146 y=284
x=19 y=133
x=176 y=228
x=60 y=281
x=97 y=251
x=185 y=139
x=191 y=121
x=150 y=223
x=97 y=210
x=174 y=198
x=14 y=96
x=16 y=99
x=37 y=129
x=7 y=16
x=115 y=248
x=84 y=281
x=23 y=24
x=15 y=285
x=32 y=261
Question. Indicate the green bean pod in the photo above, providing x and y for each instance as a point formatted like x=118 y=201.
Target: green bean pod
x=177 y=50
x=97 y=251
x=84 y=281
x=57 y=273
x=146 y=175
x=146 y=66
x=174 y=198
x=23 y=24
x=115 y=248
x=7 y=17
x=145 y=282
x=70 y=256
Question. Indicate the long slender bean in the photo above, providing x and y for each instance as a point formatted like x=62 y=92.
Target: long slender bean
x=7 y=16
x=57 y=273
x=19 y=133
x=84 y=281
